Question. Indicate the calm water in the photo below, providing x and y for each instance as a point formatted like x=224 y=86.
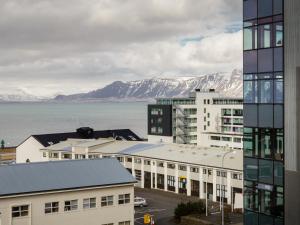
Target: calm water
x=20 y=120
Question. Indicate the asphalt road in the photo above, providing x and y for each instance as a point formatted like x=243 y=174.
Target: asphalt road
x=160 y=204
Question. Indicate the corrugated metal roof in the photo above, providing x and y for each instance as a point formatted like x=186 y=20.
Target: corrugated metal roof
x=61 y=175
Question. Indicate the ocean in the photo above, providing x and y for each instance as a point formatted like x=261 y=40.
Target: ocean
x=20 y=120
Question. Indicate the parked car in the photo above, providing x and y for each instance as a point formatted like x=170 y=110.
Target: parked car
x=140 y=202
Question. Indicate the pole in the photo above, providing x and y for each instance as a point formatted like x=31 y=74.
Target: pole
x=206 y=192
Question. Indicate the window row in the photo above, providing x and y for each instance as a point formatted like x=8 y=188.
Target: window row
x=264 y=143
x=156 y=111
x=263 y=91
x=120 y=223
x=263 y=36
x=263 y=60
x=263 y=171
x=263 y=115
x=264 y=199
x=261 y=8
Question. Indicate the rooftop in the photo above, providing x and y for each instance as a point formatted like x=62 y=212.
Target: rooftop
x=51 y=176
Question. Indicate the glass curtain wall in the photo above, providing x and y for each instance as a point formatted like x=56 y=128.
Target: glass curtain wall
x=263 y=112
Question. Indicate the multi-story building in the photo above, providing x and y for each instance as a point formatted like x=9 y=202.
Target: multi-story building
x=74 y=192
x=205 y=118
x=184 y=169
x=271 y=110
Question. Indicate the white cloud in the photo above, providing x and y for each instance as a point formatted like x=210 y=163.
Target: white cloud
x=55 y=46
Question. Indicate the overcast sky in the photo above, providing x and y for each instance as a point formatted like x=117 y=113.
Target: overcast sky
x=69 y=46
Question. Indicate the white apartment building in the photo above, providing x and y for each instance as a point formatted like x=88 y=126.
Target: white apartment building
x=183 y=169
x=204 y=118
x=76 y=192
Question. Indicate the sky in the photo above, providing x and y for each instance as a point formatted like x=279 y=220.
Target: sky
x=50 y=47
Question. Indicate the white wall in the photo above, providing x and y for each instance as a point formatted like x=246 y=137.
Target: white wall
x=30 y=149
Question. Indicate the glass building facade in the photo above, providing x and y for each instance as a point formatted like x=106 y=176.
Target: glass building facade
x=263 y=112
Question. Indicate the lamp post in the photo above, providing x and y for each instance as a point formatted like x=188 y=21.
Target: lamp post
x=221 y=185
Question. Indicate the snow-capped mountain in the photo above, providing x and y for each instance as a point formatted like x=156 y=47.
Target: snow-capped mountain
x=230 y=84
x=19 y=95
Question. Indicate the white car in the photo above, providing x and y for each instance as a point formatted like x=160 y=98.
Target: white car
x=140 y=202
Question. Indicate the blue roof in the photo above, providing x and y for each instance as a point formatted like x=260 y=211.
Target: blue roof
x=61 y=175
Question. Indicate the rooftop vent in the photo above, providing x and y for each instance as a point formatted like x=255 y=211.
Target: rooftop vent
x=212 y=90
x=197 y=90
x=85 y=132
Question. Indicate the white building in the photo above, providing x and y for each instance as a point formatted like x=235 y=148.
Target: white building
x=204 y=119
x=94 y=192
x=29 y=150
x=177 y=168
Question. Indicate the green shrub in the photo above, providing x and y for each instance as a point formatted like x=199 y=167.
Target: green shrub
x=184 y=209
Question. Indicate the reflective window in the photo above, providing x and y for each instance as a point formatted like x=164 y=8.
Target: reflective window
x=265 y=8
x=250 y=9
x=278 y=173
x=250 y=142
x=250 y=61
x=278 y=59
x=279 y=202
x=277 y=7
x=278 y=151
x=265 y=60
x=265 y=34
x=266 y=91
x=278 y=91
x=266 y=171
x=250 y=91
x=250 y=218
x=250 y=169
x=250 y=38
x=278 y=33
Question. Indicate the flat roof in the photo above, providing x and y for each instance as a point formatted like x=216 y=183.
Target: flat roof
x=181 y=153
x=28 y=178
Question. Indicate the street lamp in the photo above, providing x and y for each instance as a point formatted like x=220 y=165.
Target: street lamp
x=221 y=185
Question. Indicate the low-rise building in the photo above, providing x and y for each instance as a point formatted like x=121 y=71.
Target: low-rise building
x=205 y=118
x=7 y=155
x=29 y=150
x=179 y=168
x=75 y=192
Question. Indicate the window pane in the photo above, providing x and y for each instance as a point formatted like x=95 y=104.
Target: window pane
x=250 y=38
x=251 y=218
x=250 y=91
x=278 y=59
x=251 y=199
x=278 y=30
x=278 y=91
x=266 y=91
x=250 y=9
x=250 y=61
x=265 y=115
x=265 y=145
x=266 y=171
x=250 y=169
x=278 y=173
x=265 y=220
x=278 y=152
x=264 y=34
x=265 y=60
x=265 y=8
x=278 y=5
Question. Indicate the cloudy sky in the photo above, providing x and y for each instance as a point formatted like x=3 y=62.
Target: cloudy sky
x=68 y=46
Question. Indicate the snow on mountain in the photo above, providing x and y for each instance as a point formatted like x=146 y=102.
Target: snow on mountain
x=229 y=84
x=19 y=95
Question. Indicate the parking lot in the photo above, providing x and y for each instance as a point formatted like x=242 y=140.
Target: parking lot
x=162 y=204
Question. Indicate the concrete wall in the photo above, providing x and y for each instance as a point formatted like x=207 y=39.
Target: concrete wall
x=30 y=149
x=95 y=216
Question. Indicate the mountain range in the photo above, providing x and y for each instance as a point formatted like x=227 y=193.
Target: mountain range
x=229 y=84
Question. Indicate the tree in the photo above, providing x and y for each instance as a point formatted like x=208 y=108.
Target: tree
x=2 y=144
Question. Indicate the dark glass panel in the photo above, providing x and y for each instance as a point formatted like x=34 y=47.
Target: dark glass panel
x=278 y=173
x=250 y=143
x=251 y=169
x=250 y=38
x=264 y=36
x=278 y=221
x=250 y=91
x=265 y=60
x=266 y=171
x=265 y=220
x=250 y=218
x=250 y=115
x=278 y=116
x=265 y=115
x=277 y=7
x=251 y=199
x=250 y=61
x=265 y=8
x=250 y=9
x=278 y=59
